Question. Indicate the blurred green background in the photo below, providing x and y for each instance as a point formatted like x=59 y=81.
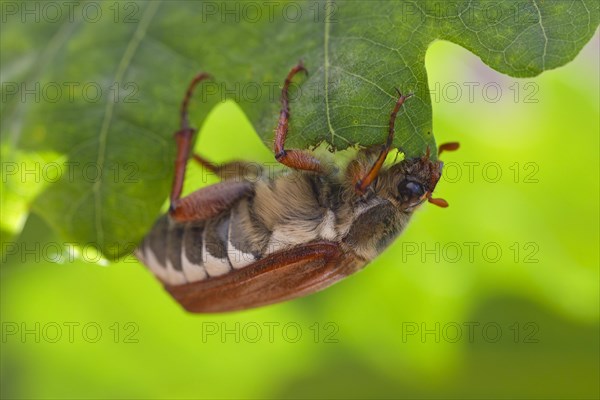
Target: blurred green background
x=517 y=316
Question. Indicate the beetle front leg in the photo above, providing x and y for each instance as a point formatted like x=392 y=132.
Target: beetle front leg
x=297 y=159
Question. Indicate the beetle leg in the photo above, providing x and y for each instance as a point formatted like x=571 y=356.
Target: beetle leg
x=365 y=182
x=210 y=201
x=233 y=170
x=206 y=202
x=184 y=137
x=297 y=159
x=359 y=167
x=212 y=167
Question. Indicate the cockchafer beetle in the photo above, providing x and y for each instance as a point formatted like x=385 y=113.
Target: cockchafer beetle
x=245 y=243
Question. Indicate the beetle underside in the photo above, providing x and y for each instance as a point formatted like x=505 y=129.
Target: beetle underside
x=245 y=243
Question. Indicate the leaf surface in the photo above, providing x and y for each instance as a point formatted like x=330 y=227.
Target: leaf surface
x=100 y=85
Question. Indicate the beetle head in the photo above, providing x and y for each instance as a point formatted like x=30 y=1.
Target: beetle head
x=414 y=180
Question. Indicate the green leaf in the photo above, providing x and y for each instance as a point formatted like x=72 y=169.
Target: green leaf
x=99 y=84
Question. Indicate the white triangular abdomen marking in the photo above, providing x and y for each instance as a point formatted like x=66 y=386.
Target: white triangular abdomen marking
x=148 y=258
x=214 y=266
x=192 y=272
x=174 y=277
x=238 y=258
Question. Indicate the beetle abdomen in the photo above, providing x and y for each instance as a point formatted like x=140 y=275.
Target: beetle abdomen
x=179 y=253
x=280 y=214
x=165 y=252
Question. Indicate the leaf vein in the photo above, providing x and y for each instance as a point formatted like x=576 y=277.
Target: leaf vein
x=124 y=63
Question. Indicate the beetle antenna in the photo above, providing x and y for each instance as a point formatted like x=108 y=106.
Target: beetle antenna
x=438 y=202
x=450 y=146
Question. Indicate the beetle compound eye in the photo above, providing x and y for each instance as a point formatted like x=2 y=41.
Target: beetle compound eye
x=410 y=190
